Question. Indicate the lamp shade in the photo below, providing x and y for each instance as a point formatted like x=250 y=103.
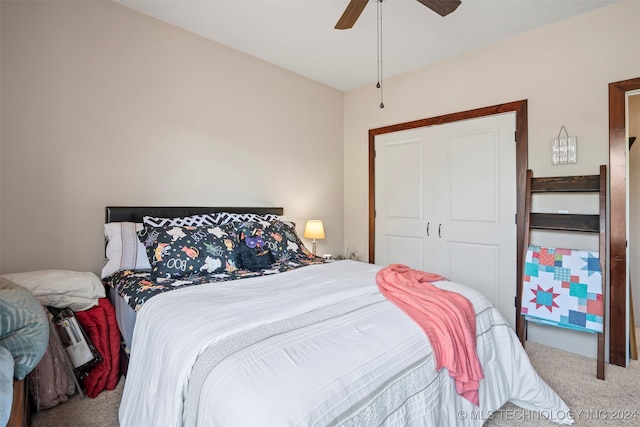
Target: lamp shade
x=314 y=229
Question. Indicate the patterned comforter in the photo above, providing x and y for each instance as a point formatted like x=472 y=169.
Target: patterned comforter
x=137 y=287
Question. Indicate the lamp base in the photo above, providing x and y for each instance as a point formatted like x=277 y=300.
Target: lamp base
x=313 y=243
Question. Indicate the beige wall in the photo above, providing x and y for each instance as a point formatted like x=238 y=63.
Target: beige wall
x=102 y=105
x=563 y=70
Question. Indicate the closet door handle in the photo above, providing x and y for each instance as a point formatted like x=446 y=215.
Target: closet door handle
x=439 y=229
x=428 y=229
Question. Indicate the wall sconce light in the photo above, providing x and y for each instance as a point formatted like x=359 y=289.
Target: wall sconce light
x=314 y=230
x=564 y=149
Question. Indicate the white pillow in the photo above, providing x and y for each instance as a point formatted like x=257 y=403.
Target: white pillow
x=62 y=288
x=124 y=250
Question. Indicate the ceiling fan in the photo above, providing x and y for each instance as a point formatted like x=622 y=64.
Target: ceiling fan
x=355 y=8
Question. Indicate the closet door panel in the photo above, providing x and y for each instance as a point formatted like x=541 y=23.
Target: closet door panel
x=401 y=223
x=473 y=178
x=478 y=205
x=404 y=250
x=403 y=180
x=482 y=267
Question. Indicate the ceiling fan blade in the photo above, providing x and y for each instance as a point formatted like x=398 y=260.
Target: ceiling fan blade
x=351 y=14
x=441 y=7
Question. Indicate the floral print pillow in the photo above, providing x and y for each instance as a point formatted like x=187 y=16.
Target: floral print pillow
x=182 y=251
x=279 y=237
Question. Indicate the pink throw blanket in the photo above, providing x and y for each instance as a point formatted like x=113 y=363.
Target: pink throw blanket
x=446 y=317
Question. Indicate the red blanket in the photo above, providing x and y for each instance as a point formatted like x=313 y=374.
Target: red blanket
x=446 y=317
x=100 y=324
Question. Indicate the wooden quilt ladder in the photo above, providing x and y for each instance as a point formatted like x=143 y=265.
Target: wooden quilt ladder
x=567 y=222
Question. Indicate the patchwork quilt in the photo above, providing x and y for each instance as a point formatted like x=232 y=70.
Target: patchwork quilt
x=563 y=287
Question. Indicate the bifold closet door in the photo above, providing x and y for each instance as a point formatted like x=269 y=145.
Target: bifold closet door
x=405 y=200
x=446 y=203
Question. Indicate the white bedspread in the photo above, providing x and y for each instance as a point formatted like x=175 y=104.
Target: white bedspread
x=245 y=353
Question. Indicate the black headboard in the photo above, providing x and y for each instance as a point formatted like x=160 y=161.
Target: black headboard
x=135 y=213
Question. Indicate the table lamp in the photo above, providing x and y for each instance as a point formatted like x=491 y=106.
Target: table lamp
x=314 y=230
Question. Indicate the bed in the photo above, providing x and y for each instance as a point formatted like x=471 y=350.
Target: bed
x=315 y=343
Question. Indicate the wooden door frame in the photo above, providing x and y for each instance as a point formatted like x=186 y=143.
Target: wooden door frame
x=522 y=161
x=618 y=219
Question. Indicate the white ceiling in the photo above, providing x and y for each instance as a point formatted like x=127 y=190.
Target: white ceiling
x=298 y=34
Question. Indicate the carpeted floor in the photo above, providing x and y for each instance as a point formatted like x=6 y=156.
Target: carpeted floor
x=612 y=402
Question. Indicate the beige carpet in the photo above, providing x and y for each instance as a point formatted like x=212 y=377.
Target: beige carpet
x=612 y=402
x=592 y=401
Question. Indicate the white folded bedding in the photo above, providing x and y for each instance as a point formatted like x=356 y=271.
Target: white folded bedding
x=314 y=346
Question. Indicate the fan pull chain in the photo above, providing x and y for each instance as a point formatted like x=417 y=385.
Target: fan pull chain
x=379 y=42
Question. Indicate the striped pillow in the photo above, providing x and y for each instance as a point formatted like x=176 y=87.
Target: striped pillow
x=214 y=218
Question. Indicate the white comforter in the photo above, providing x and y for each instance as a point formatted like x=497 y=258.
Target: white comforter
x=244 y=353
